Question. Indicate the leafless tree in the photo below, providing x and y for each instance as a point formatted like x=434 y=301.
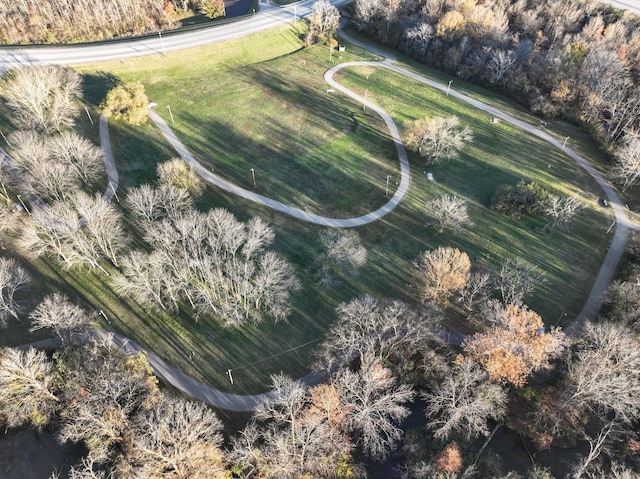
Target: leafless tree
x=43 y=98
x=448 y=213
x=417 y=37
x=343 y=251
x=438 y=138
x=27 y=388
x=13 y=278
x=86 y=470
x=561 y=210
x=500 y=65
x=476 y=290
x=103 y=390
x=323 y=22
x=374 y=331
x=464 y=402
x=102 y=224
x=78 y=232
x=441 y=272
x=84 y=158
x=294 y=433
x=604 y=374
x=178 y=173
x=376 y=408
x=51 y=180
x=56 y=312
x=515 y=279
x=218 y=264
x=178 y=439
x=626 y=170
x=623 y=297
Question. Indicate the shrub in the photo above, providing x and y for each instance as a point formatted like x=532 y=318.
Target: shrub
x=520 y=200
x=127 y=102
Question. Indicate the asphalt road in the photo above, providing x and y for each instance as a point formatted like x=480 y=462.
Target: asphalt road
x=267 y=17
x=632 y=5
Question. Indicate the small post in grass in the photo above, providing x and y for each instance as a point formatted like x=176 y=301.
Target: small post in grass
x=171 y=115
x=449 y=87
x=565 y=143
x=253 y=176
x=88 y=114
x=230 y=375
x=5 y=138
x=386 y=191
x=23 y=205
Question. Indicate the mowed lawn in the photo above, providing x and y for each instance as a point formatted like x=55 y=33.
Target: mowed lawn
x=240 y=107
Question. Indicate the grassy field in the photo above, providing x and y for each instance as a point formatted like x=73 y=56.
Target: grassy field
x=239 y=107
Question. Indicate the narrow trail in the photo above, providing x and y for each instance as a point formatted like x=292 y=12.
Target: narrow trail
x=233 y=402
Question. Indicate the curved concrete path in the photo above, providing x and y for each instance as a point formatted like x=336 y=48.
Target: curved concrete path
x=297 y=213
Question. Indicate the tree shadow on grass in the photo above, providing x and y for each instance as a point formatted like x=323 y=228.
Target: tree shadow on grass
x=95 y=86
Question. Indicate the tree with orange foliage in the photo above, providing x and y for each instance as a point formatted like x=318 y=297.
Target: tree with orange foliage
x=442 y=272
x=516 y=346
x=449 y=460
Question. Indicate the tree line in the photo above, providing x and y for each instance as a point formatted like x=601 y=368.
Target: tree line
x=59 y=21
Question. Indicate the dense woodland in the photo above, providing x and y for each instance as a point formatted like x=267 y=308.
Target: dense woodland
x=61 y=21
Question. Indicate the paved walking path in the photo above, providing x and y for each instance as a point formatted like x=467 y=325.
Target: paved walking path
x=297 y=213
x=213 y=397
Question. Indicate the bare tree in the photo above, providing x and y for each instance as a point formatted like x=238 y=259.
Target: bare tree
x=323 y=22
x=103 y=389
x=343 y=252
x=516 y=345
x=442 y=272
x=438 y=138
x=376 y=408
x=626 y=170
x=51 y=180
x=178 y=439
x=464 y=402
x=604 y=374
x=44 y=97
x=515 y=279
x=27 y=388
x=374 y=331
x=178 y=173
x=476 y=290
x=56 y=312
x=623 y=297
x=13 y=278
x=295 y=433
x=78 y=232
x=83 y=157
x=561 y=210
x=448 y=213
x=219 y=265
x=102 y=224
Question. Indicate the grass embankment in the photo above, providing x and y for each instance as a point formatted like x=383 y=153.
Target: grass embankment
x=240 y=107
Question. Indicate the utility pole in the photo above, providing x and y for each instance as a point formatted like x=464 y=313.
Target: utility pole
x=565 y=143
x=449 y=87
x=230 y=375
x=386 y=191
x=253 y=176
x=171 y=115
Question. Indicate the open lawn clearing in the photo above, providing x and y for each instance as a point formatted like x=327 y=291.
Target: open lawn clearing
x=501 y=154
x=306 y=146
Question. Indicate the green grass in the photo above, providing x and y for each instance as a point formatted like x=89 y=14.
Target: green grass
x=239 y=107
